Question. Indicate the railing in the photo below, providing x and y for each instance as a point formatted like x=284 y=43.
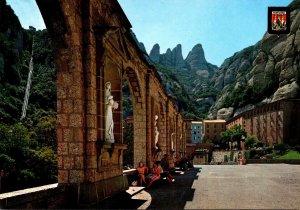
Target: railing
x=51 y=196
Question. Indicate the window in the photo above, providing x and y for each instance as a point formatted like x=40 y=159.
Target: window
x=207 y=126
x=195 y=132
x=215 y=125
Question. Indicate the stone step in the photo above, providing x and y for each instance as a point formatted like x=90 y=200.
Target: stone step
x=134 y=190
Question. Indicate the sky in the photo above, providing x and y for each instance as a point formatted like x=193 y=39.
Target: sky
x=223 y=27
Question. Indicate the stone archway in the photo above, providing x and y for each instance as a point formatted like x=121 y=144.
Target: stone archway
x=93 y=45
x=139 y=113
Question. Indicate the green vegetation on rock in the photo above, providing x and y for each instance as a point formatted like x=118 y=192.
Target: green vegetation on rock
x=27 y=148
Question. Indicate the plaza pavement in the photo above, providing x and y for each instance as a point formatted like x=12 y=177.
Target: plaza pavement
x=255 y=186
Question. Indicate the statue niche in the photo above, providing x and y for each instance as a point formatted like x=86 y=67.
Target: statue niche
x=156 y=149
x=110 y=106
x=109 y=153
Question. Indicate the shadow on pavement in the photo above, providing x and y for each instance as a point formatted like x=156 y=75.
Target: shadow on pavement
x=164 y=195
x=173 y=196
x=120 y=201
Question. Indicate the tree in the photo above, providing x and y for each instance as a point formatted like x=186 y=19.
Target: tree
x=233 y=134
x=250 y=140
x=128 y=139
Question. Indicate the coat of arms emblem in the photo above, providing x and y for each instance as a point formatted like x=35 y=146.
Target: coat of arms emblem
x=278 y=20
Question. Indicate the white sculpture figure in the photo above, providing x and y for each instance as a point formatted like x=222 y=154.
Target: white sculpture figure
x=172 y=142
x=107 y=91
x=110 y=105
x=156 y=131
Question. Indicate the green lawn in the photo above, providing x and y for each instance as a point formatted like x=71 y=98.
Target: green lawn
x=290 y=155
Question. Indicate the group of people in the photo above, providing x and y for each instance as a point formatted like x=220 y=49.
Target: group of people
x=161 y=169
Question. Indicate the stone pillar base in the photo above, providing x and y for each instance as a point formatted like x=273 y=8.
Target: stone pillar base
x=89 y=194
x=242 y=161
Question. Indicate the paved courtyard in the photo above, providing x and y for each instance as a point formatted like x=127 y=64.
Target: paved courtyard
x=255 y=186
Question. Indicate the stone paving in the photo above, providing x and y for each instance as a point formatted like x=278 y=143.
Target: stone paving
x=161 y=195
x=255 y=186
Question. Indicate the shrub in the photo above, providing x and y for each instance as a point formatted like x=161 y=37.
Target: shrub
x=250 y=140
x=6 y=163
x=268 y=150
x=252 y=153
x=280 y=148
x=258 y=144
x=297 y=148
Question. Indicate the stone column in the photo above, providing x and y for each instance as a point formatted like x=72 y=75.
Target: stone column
x=148 y=120
x=168 y=134
x=139 y=133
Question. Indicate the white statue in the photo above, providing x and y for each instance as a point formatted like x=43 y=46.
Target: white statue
x=156 y=131
x=172 y=141
x=107 y=91
x=110 y=105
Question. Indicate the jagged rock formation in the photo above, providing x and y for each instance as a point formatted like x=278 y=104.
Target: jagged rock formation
x=155 y=53
x=196 y=57
x=172 y=58
x=225 y=113
x=265 y=72
x=194 y=72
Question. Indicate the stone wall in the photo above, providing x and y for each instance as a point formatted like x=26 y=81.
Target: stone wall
x=48 y=196
x=218 y=156
x=93 y=45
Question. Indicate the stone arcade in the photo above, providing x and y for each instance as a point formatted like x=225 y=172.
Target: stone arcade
x=94 y=46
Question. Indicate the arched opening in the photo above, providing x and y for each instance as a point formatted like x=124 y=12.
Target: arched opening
x=133 y=115
x=128 y=137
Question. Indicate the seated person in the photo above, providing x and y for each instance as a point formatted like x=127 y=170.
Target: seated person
x=154 y=175
x=165 y=163
x=177 y=161
x=166 y=174
x=142 y=170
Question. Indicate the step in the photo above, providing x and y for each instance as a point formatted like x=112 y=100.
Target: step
x=134 y=190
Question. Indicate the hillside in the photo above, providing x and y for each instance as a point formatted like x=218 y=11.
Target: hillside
x=27 y=148
x=193 y=72
x=265 y=72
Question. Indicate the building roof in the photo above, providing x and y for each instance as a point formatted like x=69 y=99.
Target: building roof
x=214 y=121
x=197 y=122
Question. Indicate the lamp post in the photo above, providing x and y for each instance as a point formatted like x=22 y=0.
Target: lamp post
x=230 y=143
x=243 y=160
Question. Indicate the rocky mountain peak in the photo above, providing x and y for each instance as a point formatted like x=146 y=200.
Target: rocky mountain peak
x=196 y=57
x=155 y=53
x=177 y=58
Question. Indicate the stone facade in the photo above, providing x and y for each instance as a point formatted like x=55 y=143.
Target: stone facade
x=93 y=45
x=212 y=130
x=196 y=132
x=188 y=129
x=273 y=123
